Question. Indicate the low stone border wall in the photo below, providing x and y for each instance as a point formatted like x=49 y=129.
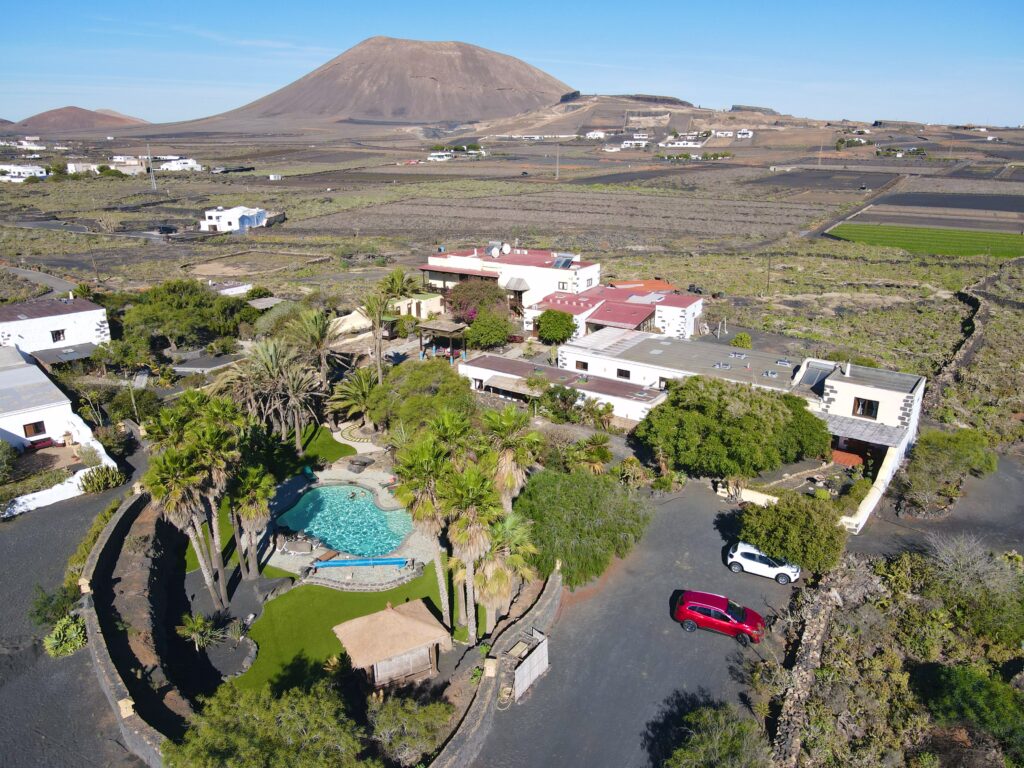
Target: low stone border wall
x=139 y=737
x=407 y=575
x=468 y=739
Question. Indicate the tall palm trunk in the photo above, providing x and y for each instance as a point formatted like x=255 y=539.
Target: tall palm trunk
x=217 y=551
x=442 y=585
x=194 y=533
x=470 y=601
x=253 y=553
x=239 y=534
x=297 y=417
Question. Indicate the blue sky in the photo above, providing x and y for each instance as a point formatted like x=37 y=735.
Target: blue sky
x=937 y=62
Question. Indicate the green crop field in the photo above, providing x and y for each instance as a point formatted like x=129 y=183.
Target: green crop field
x=949 y=242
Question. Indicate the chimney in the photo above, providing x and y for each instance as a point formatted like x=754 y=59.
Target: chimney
x=846 y=370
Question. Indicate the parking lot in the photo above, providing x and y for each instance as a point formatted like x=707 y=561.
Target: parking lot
x=622 y=671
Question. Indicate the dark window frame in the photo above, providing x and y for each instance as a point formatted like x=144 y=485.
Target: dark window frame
x=35 y=429
x=619 y=373
x=865 y=409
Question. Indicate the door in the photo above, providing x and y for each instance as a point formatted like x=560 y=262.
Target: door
x=753 y=563
x=720 y=622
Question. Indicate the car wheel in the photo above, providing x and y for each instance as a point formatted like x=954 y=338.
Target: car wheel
x=735 y=567
x=783 y=579
x=690 y=625
x=742 y=639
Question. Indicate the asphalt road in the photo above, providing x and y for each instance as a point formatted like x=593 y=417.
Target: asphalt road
x=622 y=671
x=54 y=283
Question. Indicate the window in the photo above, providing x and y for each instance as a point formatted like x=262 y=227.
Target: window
x=35 y=428
x=866 y=408
x=590 y=281
x=563 y=286
x=622 y=373
x=701 y=610
x=57 y=335
x=582 y=366
x=662 y=383
x=718 y=615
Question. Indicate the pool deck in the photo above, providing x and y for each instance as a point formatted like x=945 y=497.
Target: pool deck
x=415 y=547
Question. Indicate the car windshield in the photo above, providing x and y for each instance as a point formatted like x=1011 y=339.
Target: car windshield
x=736 y=611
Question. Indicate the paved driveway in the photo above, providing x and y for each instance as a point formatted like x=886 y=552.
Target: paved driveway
x=621 y=670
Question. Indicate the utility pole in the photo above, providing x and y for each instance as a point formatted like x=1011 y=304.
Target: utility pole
x=768 y=290
x=558 y=148
x=152 y=173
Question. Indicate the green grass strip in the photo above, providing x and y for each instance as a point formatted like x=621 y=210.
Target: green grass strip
x=931 y=240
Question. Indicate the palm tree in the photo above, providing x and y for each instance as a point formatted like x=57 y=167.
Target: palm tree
x=419 y=466
x=452 y=430
x=351 y=395
x=515 y=445
x=254 y=490
x=215 y=449
x=506 y=564
x=471 y=502
x=598 y=414
x=168 y=428
x=396 y=284
x=200 y=630
x=313 y=333
x=173 y=479
x=591 y=454
x=298 y=396
x=376 y=308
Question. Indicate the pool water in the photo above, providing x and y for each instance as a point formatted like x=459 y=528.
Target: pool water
x=347 y=518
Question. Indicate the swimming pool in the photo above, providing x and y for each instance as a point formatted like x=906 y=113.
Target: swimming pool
x=347 y=518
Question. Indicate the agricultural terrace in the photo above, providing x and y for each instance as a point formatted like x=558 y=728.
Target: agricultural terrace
x=949 y=242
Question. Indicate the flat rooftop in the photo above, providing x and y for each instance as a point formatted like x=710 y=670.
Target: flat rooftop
x=24 y=386
x=35 y=309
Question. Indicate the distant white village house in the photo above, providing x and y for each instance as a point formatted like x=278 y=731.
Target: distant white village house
x=54 y=330
x=185 y=164
x=19 y=173
x=237 y=219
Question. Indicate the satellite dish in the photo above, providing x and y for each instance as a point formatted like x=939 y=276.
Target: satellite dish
x=506 y=248
x=494 y=252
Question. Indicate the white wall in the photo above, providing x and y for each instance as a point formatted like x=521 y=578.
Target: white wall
x=89 y=327
x=889 y=402
x=597 y=365
x=57 y=420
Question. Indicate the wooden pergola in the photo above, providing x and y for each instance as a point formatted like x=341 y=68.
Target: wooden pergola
x=450 y=331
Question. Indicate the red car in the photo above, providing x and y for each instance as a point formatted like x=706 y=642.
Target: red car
x=707 y=611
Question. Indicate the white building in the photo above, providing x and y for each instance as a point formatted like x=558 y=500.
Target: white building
x=54 y=330
x=32 y=408
x=83 y=168
x=631 y=307
x=612 y=149
x=18 y=173
x=237 y=219
x=185 y=164
x=598 y=135
x=641 y=135
x=682 y=141
x=507 y=378
x=724 y=134
x=132 y=159
x=440 y=157
x=527 y=275
x=229 y=287
x=635 y=144
x=744 y=133
x=864 y=408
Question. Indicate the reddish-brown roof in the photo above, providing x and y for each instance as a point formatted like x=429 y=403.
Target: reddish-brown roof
x=35 y=309
x=573 y=303
x=620 y=314
x=520 y=256
x=643 y=286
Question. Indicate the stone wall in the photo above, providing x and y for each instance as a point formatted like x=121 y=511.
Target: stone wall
x=469 y=736
x=141 y=738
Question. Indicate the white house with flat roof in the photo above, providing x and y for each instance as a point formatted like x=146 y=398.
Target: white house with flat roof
x=237 y=219
x=17 y=174
x=184 y=164
x=32 y=408
x=54 y=330
x=862 y=407
x=528 y=275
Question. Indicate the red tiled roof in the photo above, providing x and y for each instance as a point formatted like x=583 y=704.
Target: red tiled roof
x=619 y=314
x=519 y=256
x=574 y=304
x=644 y=286
x=672 y=300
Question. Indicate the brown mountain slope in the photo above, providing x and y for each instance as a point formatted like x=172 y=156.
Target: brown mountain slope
x=73 y=119
x=123 y=116
x=409 y=81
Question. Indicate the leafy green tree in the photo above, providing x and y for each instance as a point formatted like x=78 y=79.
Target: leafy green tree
x=416 y=391
x=352 y=395
x=799 y=528
x=516 y=446
x=555 y=327
x=250 y=728
x=487 y=331
x=138 y=404
x=719 y=737
x=712 y=428
x=562 y=404
x=200 y=630
x=742 y=340
x=405 y=729
x=420 y=466
x=582 y=520
x=470 y=298
x=939 y=463
x=396 y=284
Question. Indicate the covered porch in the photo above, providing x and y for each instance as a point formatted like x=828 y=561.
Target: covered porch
x=442 y=338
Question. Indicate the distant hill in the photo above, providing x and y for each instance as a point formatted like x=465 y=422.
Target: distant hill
x=6 y=122
x=385 y=80
x=123 y=116
x=75 y=119
x=746 y=108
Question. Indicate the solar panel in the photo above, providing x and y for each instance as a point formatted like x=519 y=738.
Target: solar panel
x=562 y=262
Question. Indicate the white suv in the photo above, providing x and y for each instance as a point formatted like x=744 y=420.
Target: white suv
x=743 y=557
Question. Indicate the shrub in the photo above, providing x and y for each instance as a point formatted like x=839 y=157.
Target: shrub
x=102 y=479
x=223 y=345
x=8 y=456
x=472 y=297
x=555 y=327
x=405 y=325
x=632 y=473
x=800 y=529
x=50 y=607
x=488 y=330
x=581 y=519
x=89 y=456
x=146 y=400
x=33 y=483
x=742 y=340
x=416 y=391
x=938 y=464
x=970 y=695
x=406 y=729
x=118 y=444
x=719 y=737
x=562 y=404
x=77 y=560
x=68 y=636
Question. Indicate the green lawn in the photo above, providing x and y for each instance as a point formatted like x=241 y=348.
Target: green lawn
x=318 y=444
x=948 y=242
x=294 y=633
